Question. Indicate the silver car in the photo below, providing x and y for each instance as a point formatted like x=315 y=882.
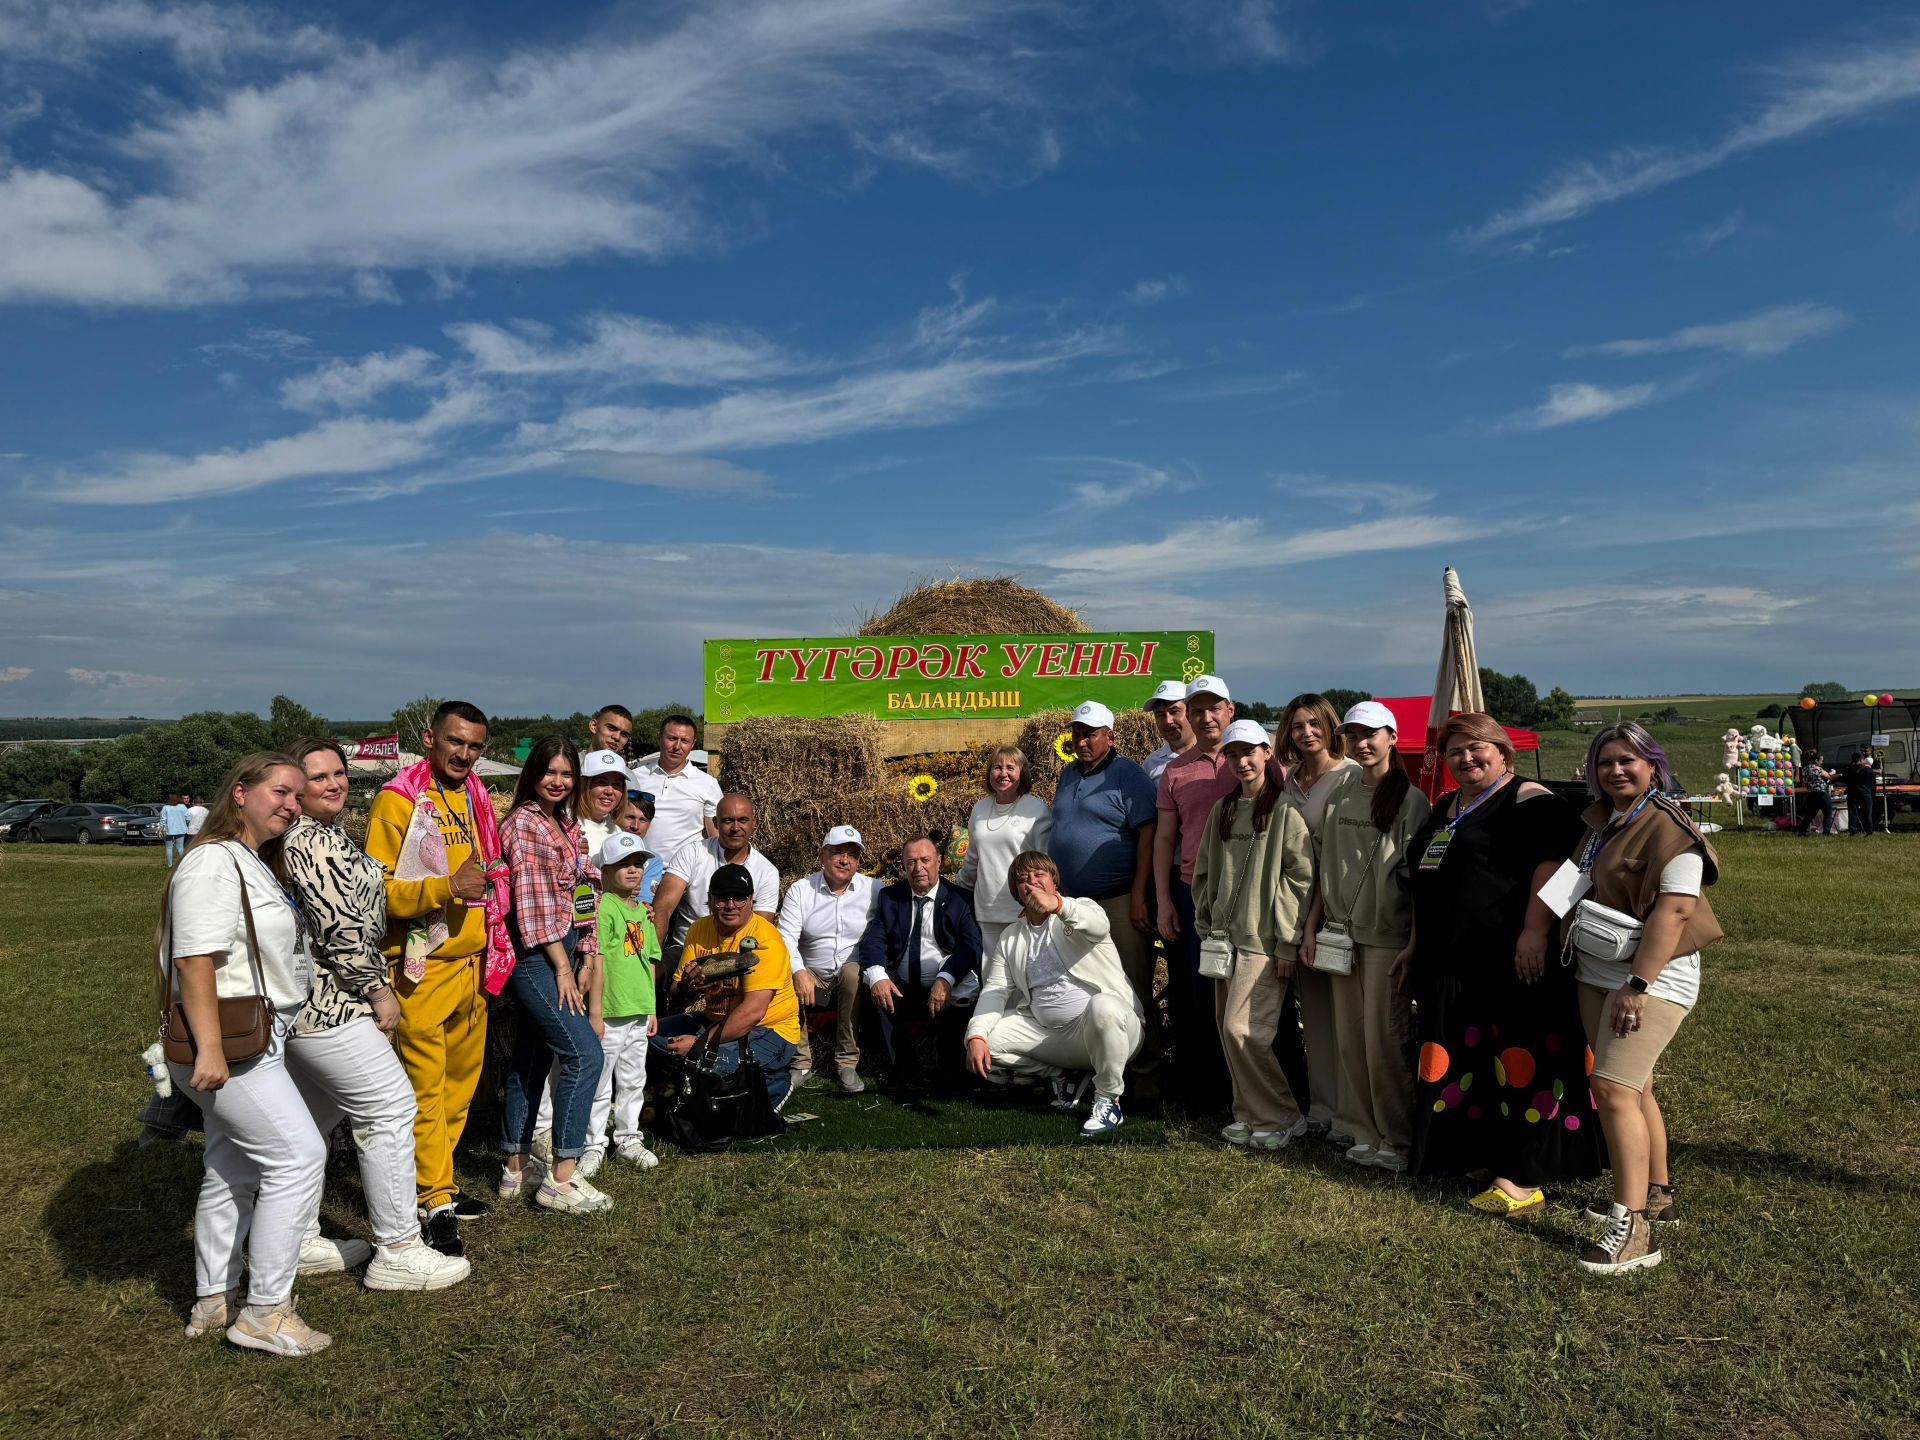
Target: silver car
x=83 y=824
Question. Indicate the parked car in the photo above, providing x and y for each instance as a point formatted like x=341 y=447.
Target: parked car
x=83 y=824
x=143 y=824
x=13 y=819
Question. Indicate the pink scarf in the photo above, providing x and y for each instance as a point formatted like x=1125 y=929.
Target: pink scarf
x=412 y=783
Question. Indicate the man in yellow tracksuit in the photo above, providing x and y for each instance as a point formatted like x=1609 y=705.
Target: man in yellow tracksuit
x=442 y=1034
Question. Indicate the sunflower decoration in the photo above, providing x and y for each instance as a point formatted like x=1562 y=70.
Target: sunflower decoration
x=1063 y=747
x=922 y=788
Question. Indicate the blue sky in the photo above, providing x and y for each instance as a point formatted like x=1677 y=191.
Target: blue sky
x=360 y=352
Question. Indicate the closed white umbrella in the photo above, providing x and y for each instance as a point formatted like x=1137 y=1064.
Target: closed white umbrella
x=1456 y=685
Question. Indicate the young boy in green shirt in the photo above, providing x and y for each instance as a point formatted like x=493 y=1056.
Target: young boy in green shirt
x=629 y=961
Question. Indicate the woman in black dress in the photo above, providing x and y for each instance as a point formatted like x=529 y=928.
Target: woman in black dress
x=1503 y=1059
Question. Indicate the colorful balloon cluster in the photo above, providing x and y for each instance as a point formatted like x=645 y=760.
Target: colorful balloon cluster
x=1763 y=772
x=1872 y=700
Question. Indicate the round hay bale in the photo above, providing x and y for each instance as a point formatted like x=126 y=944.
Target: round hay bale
x=985 y=605
x=776 y=762
x=886 y=816
x=1134 y=736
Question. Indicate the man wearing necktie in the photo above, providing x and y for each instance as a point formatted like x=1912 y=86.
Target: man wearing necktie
x=920 y=958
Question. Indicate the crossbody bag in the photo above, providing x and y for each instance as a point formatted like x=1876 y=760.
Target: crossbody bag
x=246 y=1021
x=1216 y=950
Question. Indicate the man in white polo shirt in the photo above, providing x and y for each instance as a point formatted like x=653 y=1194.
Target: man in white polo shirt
x=1168 y=706
x=685 y=798
x=682 y=896
x=822 y=920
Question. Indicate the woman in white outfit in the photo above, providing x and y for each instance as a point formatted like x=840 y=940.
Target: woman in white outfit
x=1008 y=820
x=229 y=921
x=339 y=1053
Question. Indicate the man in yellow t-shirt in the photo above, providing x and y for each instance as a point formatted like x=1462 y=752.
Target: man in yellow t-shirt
x=758 y=1005
x=442 y=1034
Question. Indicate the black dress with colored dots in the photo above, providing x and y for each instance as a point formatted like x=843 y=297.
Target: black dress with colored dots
x=1502 y=1071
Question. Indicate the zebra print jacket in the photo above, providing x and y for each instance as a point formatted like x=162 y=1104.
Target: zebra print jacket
x=343 y=899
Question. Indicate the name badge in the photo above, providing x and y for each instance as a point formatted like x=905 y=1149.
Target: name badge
x=586 y=904
x=1565 y=887
x=1436 y=850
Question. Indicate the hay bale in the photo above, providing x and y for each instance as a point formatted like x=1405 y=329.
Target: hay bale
x=986 y=605
x=1134 y=736
x=886 y=816
x=777 y=762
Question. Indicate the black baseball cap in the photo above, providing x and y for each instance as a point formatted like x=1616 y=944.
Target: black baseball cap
x=730 y=882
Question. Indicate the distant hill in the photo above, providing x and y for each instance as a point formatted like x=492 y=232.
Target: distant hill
x=62 y=727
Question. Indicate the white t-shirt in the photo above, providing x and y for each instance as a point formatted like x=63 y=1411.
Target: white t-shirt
x=196 y=817
x=596 y=833
x=995 y=834
x=1680 y=978
x=1156 y=763
x=1057 y=997
x=695 y=862
x=822 y=929
x=207 y=920
x=682 y=805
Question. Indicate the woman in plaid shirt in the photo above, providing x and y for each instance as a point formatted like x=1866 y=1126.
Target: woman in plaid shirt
x=556 y=982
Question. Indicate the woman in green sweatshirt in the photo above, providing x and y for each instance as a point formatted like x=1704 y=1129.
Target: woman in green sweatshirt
x=1251 y=880
x=1362 y=850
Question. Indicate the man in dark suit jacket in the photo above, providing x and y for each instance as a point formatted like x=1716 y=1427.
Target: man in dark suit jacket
x=920 y=958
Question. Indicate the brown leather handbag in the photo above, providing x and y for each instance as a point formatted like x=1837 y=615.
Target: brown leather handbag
x=246 y=1021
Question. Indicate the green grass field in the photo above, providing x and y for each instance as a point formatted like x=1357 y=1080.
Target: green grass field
x=1156 y=1290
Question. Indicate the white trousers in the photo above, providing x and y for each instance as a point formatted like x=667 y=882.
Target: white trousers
x=622 y=1088
x=264 y=1164
x=351 y=1071
x=1102 y=1038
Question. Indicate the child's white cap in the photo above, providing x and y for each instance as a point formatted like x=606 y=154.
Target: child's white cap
x=620 y=847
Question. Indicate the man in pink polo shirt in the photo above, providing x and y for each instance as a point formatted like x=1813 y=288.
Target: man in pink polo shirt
x=1192 y=784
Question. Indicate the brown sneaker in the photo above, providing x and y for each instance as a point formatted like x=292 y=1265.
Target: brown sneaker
x=276 y=1329
x=1627 y=1245
x=1660 y=1209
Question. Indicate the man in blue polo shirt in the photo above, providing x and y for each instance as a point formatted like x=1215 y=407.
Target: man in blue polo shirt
x=1102 y=840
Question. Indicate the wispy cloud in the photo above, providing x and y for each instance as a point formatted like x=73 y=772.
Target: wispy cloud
x=350 y=384
x=1238 y=387
x=1238 y=32
x=1153 y=291
x=1718 y=233
x=1803 y=94
x=1112 y=484
x=196 y=36
x=1577 y=403
x=1758 y=336
x=370 y=160
x=14 y=674
x=631 y=348
x=1221 y=546
x=1354 y=495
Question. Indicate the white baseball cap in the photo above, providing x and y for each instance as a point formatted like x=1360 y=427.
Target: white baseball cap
x=602 y=762
x=843 y=835
x=1244 y=732
x=1166 y=690
x=621 y=846
x=1092 y=712
x=1209 y=685
x=1373 y=715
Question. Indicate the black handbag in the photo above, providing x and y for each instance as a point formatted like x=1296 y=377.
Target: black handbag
x=710 y=1110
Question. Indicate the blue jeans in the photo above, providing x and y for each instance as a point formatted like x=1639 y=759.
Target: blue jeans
x=548 y=1034
x=176 y=847
x=774 y=1053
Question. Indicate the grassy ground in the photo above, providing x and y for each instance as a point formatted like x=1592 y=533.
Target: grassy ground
x=1181 y=1289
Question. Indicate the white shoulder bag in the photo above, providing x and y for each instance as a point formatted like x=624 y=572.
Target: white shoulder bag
x=1216 y=950
x=1602 y=933
x=1333 y=942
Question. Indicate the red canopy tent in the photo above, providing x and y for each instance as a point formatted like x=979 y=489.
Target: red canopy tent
x=1411 y=740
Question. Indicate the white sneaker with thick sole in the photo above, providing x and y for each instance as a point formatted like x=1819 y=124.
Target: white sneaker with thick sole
x=591 y=1159
x=1106 y=1117
x=1238 y=1133
x=1340 y=1139
x=417 y=1266
x=1360 y=1154
x=1278 y=1139
x=577 y=1197
x=513 y=1183
x=213 y=1312
x=1388 y=1158
x=850 y=1082
x=276 y=1329
x=635 y=1152
x=323 y=1255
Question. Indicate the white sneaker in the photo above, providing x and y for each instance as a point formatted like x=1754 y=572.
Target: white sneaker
x=1340 y=1138
x=276 y=1329
x=591 y=1159
x=1106 y=1117
x=323 y=1255
x=635 y=1152
x=415 y=1266
x=801 y=1074
x=1067 y=1093
x=213 y=1312
x=1361 y=1154
x=543 y=1147
x=1238 y=1133
x=577 y=1197
x=513 y=1182
x=1388 y=1158
x=1278 y=1139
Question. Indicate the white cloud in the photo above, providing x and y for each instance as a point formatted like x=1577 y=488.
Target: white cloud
x=628 y=347
x=197 y=36
x=350 y=384
x=1552 y=614
x=1804 y=95
x=1114 y=483
x=1758 y=336
x=1574 y=403
x=351 y=445
x=1153 y=291
x=12 y=674
x=1719 y=233
x=1237 y=32
x=373 y=160
x=1355 y=495
x=115 y=679
x=1222 y=546
x=1239 y=387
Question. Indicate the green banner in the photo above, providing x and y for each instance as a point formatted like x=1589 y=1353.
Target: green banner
x=945 y=677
